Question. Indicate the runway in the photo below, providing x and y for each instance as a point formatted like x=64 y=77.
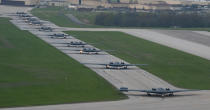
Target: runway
x=132 y=78
x=195 y=101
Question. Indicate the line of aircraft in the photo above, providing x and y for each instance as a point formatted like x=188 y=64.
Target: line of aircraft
x=87 y=50
x=29 y=19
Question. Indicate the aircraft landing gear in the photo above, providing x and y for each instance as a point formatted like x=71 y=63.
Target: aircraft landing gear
x=149 y=94
x=125 y=67
x=171 y=94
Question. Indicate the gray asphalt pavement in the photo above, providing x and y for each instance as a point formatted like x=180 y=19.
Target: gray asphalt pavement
x=193 y=36
x=134 y=78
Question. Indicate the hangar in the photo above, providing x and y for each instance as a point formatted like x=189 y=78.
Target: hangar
x=20 y=2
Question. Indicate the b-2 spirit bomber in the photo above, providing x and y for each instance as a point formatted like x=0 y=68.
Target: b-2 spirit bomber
x=37 y=23
x=59 y=35
x=46 y=29
x=116 y=65
x=75 y=44
x=30 y=19
x=19 y=13
x=91 y=51
x=24 y=15
x=156 y=91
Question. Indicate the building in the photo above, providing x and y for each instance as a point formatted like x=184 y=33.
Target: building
x=136 y=4
x=20 y=2
x=57 y=3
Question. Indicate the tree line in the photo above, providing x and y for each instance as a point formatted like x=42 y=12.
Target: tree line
x=166 y=19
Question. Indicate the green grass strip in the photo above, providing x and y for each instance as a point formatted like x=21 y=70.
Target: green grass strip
x=58 y=16
x=34 y=73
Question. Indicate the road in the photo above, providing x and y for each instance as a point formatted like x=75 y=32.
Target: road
x=132 y=78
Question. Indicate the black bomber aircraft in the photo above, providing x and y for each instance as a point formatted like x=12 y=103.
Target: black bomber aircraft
x=30 y=19
x=91 y=51
x=26 y=18
x=156 y=91
x=46 y=29
x=19 y=13
x=37 y=23
x=24 y=15
x=59 y=35
x=74 y=44
x=117 y=65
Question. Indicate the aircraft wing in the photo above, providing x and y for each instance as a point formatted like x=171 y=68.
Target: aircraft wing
x=125 y=89
x=186 y=90
x=147 y=91
x=59 y=42
x=136 y=64
x=95 y=63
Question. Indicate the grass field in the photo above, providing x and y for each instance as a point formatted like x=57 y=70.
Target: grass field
x=55 y=15
x=178 y=68
x=34 y=73
x=58 y=16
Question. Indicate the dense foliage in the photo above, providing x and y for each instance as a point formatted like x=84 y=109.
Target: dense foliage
x=164 y=19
